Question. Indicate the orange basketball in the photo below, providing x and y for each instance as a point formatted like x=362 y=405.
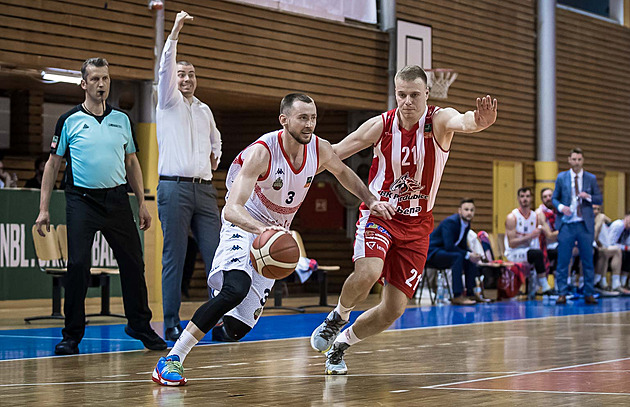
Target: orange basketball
x=274 y=254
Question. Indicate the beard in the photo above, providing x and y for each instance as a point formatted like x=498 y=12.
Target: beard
x=297 y=137
x=549 y=205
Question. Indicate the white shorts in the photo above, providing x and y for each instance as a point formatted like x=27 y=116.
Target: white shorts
x=233 y=254
x=517 y=255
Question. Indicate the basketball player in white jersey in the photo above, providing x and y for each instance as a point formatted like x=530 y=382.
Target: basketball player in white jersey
x=522 y=245
x=411 y=145
x=266 y=183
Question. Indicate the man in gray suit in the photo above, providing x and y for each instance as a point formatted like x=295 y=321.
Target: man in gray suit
x=575 y=194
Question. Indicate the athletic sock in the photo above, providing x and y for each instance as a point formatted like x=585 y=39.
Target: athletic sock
x=347 y=336
x=183 y=345
x=624 y=279
x=598 y=278
x=544 y=283
x=343 y=312
x=616 y=281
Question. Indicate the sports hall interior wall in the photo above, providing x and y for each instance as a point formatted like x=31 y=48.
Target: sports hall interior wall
x=593 y=97
x=493 y=48
x=240 y=51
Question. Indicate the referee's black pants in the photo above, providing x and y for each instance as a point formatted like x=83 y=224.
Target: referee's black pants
x=107 y=210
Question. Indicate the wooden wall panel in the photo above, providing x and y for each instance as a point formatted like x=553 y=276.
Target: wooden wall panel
x=62 y=34
x=258 y=51
x=492 y=45
x=593 y=74
x=239 y=50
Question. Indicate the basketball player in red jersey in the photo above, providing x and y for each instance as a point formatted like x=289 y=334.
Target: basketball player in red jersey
x=411 y=145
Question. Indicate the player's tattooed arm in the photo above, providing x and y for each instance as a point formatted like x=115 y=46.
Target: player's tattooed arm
x=365 y=136
x=255 y=164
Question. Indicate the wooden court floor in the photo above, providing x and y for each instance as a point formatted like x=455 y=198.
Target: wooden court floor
x=558 y=361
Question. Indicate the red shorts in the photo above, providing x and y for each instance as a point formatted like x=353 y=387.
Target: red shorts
x=402 y=243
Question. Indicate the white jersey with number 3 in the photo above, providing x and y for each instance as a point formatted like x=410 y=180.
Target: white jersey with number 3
x=279 y=193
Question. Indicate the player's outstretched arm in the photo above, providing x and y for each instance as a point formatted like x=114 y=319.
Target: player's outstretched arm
x=255 y=164
x=448 y=121
x=351 y=181
x=366 y=135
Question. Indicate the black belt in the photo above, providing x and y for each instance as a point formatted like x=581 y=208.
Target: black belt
x=194 y=180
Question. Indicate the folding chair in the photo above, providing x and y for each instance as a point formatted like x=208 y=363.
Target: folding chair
x=323 y=283
x=429 y=282
x=47 y=249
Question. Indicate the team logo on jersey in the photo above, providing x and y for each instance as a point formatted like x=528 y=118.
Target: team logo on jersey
x=53 y=144
x=277 y=184
x=234 y=260
x=85 y=126
x=406 y=185
x=308 y=182
x=236 y=247
x=428 y=128
x=279 y=171
x=236 y=236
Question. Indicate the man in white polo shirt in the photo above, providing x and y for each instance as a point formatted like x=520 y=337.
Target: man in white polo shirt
x=190 y=149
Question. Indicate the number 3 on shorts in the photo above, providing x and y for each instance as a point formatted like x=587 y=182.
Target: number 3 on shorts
x=414 y=276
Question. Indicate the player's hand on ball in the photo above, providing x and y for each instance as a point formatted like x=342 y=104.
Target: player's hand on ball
x=382 y=209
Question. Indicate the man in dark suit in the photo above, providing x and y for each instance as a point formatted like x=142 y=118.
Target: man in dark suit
x=448 y=248
x=574 y=196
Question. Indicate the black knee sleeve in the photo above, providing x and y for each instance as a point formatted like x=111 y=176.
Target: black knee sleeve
x=231 y=330
x=236 y=284
x=535 y=257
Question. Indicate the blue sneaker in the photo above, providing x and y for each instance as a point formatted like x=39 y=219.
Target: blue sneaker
x=335 y=364
x=169 y=372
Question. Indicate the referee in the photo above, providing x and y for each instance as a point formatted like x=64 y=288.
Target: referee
x=99 y=147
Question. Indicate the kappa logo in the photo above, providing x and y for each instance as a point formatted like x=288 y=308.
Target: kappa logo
x=406 y=185
x=234 y=260
x=236 y=236
x=280 y=171
x=277 y=184
x=236 y=247
x=85 y=126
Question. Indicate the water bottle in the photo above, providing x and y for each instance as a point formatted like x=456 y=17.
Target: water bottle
x=439 y=296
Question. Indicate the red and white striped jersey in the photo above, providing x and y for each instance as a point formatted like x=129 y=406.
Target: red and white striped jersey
x=407 y=166
x=278 y=194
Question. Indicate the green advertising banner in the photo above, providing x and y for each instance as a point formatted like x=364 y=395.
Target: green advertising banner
x=20 y=273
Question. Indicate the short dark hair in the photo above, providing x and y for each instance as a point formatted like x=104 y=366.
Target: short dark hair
x=466 y=200
x=287 y=102
x=97 y=62
x=524 y=189
x=576 y=150
x=185 y=63
x=542 y=191
x=410 y=73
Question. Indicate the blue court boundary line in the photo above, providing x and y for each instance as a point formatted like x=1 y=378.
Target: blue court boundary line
x=20 y=344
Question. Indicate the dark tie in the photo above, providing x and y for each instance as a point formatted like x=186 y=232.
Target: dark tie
x=577 y=194
x=624 y=236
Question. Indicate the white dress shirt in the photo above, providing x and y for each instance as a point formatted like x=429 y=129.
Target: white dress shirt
x=186 y=132
x=574 y=198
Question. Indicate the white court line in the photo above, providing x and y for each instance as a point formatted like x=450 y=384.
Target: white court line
x=525 y=373
x=593 y=393
x=320 y=376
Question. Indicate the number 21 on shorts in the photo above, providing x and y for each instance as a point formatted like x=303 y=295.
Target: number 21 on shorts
x=414 y=276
